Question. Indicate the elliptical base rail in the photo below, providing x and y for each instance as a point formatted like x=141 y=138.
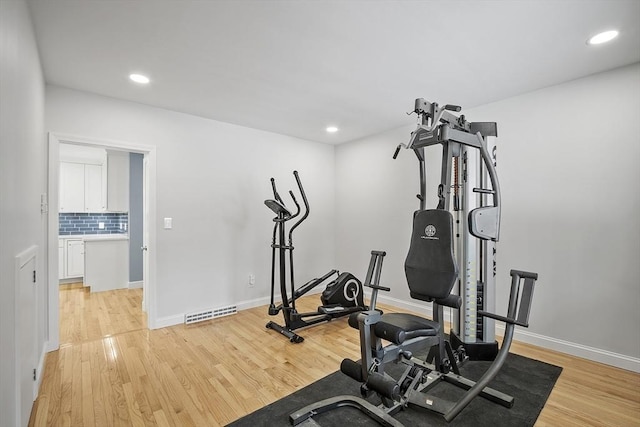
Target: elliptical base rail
x=292 y=336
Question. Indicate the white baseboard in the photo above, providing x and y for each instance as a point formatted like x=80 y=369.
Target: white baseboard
x=136 y=285
x=244 y=305
x=579 y=350
x=50 y=346
x=420 y=308
x=591 y=353
x=164 y=322
x=71 y=280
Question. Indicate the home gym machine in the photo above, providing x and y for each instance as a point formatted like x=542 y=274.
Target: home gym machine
x=469 y=161
x=433 y=272
x=341 y=296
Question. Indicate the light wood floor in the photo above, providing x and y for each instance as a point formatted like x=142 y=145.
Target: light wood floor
x=86 y=316
x=212 y=373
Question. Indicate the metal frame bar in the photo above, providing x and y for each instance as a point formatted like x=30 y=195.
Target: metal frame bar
x=332 y=403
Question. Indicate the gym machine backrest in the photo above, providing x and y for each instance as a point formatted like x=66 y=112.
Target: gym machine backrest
x=430 y=266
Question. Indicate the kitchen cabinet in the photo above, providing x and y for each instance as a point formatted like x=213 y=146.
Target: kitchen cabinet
x=95 y=186
x=75 y=258
x=117 y=181
x=83 y=187
x=71 y=187
x=70 y=258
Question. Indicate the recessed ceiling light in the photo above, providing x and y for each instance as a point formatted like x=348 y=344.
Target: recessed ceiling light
x=603 y=37
x=332 y=129
x=139 y=78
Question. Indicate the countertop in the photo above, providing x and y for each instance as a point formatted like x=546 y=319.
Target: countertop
x=97 y=237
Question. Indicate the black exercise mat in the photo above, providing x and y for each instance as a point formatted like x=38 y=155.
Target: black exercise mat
x=529 y=381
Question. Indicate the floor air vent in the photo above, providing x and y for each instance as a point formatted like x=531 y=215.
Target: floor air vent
x=209 y=314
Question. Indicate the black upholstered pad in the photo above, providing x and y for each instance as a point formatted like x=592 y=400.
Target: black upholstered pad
x=399 y=327
x=430 y=267
x=353 y=320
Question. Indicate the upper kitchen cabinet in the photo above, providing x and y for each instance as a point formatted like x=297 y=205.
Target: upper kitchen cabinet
x=71 y=187
x=117 y=181
x=83 y=179
x=95 y=187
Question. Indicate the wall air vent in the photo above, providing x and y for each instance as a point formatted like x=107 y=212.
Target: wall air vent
x=209 y=314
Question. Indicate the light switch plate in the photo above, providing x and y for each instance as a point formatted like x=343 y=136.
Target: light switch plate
x=168 y=223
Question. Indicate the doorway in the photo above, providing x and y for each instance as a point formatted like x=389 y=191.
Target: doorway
x=146 y=299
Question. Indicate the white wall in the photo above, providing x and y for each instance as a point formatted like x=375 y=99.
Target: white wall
x=22 y=180
x=568 y=167
x=212 y=179
x=375 y=201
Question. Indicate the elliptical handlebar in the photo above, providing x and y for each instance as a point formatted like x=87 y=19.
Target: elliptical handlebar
x=275 y=192
x=280 y=203
x=307 y=209
x=278 y=199
x=293 y=197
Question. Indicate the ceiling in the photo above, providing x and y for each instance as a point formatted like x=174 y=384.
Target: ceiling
x=296 y=67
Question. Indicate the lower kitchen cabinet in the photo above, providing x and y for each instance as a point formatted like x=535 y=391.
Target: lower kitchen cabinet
x=70 y=258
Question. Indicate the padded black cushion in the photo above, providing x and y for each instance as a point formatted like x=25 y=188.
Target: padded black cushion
x=399 y=327
x=353 y=320
x=430 y=267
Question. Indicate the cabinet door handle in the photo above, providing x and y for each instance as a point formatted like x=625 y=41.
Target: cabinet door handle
x=144 y=248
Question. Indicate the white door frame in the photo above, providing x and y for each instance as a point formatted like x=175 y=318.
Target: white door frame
x=145 y=233
x=149 y=152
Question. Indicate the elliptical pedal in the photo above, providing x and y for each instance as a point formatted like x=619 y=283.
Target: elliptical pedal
x=331 y=309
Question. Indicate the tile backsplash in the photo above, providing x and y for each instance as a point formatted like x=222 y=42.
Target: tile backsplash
x=89 y=223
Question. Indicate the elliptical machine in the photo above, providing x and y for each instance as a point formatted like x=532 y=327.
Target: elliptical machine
x=341 y=297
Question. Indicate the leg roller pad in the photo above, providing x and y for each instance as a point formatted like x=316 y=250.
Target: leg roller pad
x=352 y=369
x=385 y=386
